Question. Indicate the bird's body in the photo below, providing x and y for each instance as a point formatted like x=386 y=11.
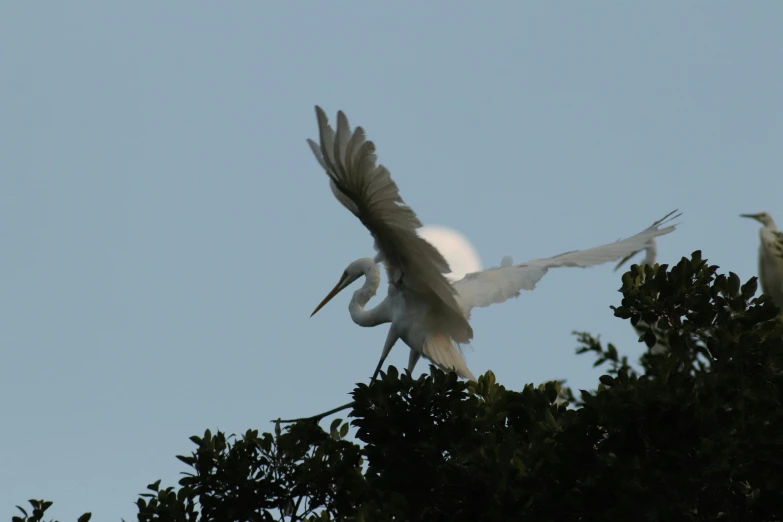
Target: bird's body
x=410 y=318
x=770 y=257
x=426 y=312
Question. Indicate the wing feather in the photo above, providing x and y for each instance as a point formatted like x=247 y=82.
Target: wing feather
x=369 y=192
x=439 y=349
x=499 y=284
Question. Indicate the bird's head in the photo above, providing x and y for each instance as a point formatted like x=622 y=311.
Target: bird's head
x=762 y=217
x=352 y=272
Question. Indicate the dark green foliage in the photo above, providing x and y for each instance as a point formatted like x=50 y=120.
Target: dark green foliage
x=39 y=507
x=697 y=434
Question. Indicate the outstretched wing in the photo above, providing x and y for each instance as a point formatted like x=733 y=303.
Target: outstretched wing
x=367 y=190
x=496 y=285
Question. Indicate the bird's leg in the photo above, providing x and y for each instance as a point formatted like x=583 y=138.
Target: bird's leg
x=391 y=338
x=317 y=418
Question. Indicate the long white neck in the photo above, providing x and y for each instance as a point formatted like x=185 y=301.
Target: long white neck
x=372 y=279
x=652 y=250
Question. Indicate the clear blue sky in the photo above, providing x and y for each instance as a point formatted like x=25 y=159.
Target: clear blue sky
x=166 y=231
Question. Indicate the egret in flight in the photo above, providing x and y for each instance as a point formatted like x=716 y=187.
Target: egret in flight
x=770 y=258
x=649 y=259
x=425 y=311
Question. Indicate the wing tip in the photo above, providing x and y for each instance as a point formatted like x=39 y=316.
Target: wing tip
x=342 y=122
x=668 y=218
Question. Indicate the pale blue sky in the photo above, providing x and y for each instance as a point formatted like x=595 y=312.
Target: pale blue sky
x=166 y=231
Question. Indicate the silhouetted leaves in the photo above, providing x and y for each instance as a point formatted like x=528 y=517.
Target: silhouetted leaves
x=695 y=434
x=39 y=507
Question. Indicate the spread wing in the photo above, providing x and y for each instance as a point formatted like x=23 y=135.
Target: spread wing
x=368 y=191
x=496 y=285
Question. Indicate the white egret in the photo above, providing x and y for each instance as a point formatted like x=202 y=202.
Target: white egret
x=641 y=327
x=426 y=312
x=770 y=257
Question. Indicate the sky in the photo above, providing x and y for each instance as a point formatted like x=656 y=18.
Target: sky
x=166 y=231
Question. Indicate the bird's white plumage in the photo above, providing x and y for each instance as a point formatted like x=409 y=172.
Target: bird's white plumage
x=440 y=350
x=771 y=264
x=496 y=285
x=367 y=190
x=421 y=304
x=425 y=311
x=770 y=258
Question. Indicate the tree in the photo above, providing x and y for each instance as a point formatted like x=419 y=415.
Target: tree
x=697 y=434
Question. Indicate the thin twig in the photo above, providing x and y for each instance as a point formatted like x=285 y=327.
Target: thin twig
x=317 y=418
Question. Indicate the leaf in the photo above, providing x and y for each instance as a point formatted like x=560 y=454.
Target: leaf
x=85 y=518
x=344 y=430
x=749 y=288
x=333 y=428
x=607 y=380
x=490 y=378
x=649 y=338
x=733 y=284
x=187 y=460
x=549 y=419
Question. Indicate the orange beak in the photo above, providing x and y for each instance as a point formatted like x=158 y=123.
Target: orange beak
x=336 y=290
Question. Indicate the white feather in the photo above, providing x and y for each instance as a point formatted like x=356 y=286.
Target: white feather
x=496 y=285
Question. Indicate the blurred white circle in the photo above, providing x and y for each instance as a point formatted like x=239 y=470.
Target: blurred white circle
x=454 y=247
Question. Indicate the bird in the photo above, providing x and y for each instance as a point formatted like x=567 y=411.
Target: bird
x=770 y=258
x=427 y=312
x=641 y=327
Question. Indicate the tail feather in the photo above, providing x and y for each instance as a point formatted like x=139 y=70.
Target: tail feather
x=439 y=349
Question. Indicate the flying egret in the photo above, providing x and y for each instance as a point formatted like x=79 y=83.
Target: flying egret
x=426 y=312
x=641 y=327
x=770 y=258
